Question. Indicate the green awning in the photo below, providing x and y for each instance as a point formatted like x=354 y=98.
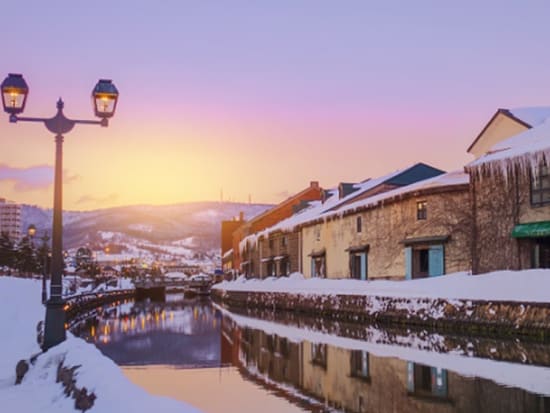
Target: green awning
x=532 y=230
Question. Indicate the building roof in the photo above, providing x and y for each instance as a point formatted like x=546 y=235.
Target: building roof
x=401 y=177
x=527 y=149
x=533 y=116
x=446 y=180
x=316 y=209
x=529 y=117
x=314 y=185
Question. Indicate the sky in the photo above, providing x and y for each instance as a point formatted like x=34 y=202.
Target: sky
x=258 y=98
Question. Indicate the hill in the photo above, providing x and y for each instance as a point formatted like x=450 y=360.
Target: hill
x=154 y=224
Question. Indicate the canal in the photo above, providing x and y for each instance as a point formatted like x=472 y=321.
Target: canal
x=219 y=361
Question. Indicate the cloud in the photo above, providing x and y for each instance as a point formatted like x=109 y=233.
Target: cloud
x=27 y=179
x=33 y=178
x=90 y=199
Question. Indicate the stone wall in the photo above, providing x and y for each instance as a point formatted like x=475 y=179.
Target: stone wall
x=386 y=226
x=499 y=203
x=499 y=317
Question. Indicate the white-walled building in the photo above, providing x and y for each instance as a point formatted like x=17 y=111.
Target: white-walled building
x=10 y=219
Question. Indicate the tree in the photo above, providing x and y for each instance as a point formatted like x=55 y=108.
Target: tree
x=7 y=251
x=26 y=258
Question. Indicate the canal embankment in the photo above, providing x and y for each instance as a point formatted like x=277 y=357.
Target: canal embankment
x=59 y=377
x=505 y=303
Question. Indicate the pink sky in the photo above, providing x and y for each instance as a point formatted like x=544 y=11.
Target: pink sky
x=260 y=100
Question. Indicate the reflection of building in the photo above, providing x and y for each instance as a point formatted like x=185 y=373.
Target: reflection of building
x=356 y=381
x=10 y=219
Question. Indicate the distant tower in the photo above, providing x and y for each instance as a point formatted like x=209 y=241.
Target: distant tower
x=221 y=195
x=249 y=199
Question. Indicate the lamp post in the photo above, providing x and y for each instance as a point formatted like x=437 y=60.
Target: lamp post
x=31 y=232
x=45 y=238
x=14 y=96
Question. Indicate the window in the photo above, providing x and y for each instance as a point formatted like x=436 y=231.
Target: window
x=284 y=267
x=421 y=210
x=426 y=380
x=541 y=253
x=359 y=364
x=359 y=224
x=283 y=242
x=318 y=265
x=284 y=347
x=270 y=243
x=540 y=187
x=319 y=354
x=271 y=269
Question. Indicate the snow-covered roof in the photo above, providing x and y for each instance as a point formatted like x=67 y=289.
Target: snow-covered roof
x=526 y=149
x=533 y=116
x=319 y=210
x=455 y=178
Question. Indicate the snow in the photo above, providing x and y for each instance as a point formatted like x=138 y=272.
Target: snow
x=186 y=242
x=141 y=227
x=207 y=215
x=175 y=274
x=21 y=310
x=527 y=149
x=454 y=178
x=316 y=209
x=523 y=286
x=532 y=378
x=330 y=208
x=534 y=116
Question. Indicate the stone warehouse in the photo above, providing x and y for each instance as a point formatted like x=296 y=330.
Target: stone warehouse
x=418 y=222
x=417 y=231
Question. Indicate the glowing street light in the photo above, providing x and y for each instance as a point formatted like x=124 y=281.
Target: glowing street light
x=14 y=94
x=14 y=97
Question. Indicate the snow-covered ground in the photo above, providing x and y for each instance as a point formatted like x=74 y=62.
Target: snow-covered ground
x=20 y=312
x=532 y=378
x=524 y=286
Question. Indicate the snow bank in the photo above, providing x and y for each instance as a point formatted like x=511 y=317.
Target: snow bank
x=39 y=392
x=523 y=286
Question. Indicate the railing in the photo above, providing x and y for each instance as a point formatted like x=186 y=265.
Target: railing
x=79 y=306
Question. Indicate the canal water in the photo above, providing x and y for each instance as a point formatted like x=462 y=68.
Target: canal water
x=195 y=351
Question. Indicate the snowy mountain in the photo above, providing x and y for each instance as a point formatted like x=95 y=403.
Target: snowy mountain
x=198 y=224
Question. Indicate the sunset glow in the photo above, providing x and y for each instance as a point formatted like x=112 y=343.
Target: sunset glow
x=258 y=100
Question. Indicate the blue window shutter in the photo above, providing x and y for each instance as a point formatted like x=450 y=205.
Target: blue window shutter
x=408 y=263
x=410 y=376
x=437 y=261
x=439 y=382
x=312 y=267
x=364 y=266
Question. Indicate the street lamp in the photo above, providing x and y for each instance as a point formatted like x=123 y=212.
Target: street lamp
x=14 y=96
x=31 y=232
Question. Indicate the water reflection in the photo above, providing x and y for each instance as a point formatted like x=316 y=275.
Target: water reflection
x=178 y=332
x=309 y=370
x=357 y=381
